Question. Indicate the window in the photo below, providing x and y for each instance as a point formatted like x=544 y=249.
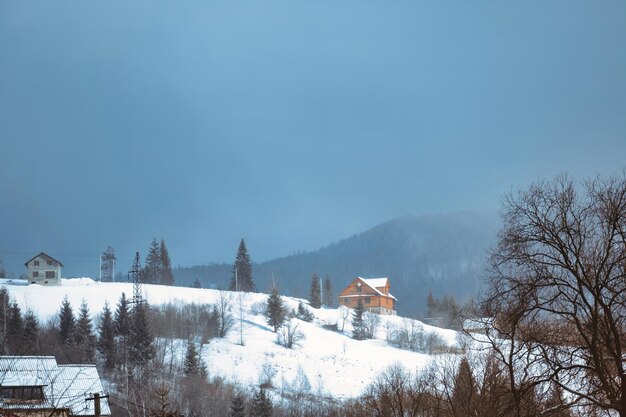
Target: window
x=35 y=274
x=49 y=274
x=358 y=288
x=22 y=394
x=368 y=300
x=36 y=263
x=49 y=263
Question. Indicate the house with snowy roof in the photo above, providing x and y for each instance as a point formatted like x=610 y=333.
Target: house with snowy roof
x=372 y=292
x=43 y=269
x=37 y=386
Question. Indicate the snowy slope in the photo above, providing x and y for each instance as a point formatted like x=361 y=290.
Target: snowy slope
x=334 y=363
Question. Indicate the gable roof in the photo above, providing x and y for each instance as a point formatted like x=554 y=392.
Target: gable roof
x=64 y=386
x=46 y=257
x=373 y=283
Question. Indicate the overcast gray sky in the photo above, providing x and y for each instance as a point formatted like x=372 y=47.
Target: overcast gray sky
x=289 y=123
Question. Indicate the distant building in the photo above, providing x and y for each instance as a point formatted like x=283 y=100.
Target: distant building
x=37 y=386
x=43 y=269
x=482 y=325
x=373 y=293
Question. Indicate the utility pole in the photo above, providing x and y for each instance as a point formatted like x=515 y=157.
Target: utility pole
x=96 y=403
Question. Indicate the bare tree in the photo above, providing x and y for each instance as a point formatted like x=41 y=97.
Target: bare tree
x=224 y=308
x=242 y=314
x=289 y=335
x=559 y=270
x=344 y=314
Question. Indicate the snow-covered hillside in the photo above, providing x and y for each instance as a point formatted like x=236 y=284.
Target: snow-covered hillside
x=333 y=362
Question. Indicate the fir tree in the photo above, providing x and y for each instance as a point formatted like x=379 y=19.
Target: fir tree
x=315 y=297
x=359 y=331
x=67 y=323
x=167 y=277
x=122 y=326
x=106 y=338
x=464 y=399
x=261 y=405
x=196 y=284
x=328 y=298
x=192 y=360
x=141 y=344
x=31 y=334
x=237 y=406
x=242 y=271
x=15 y=329
x=274 y=311
x=84 y=338
x=304 y=314
x=151 y=272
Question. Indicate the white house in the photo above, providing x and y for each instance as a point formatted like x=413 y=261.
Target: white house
x=43 y=269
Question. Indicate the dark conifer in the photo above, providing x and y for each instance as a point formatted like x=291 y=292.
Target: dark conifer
x=359 y=332
x=274 y=311
x=167 y=277
x=151 y=272
x=237 y=406
x=15 y=329
x=304 y=314
x=193 y=365
x=261 y=405
x=464 y=400
x=196 y=284
x=84 y=337
x=241 y=279
x=328 y=299
x=122 y=327
x=141 y=346
x=315 y=297
x=106 y=338
x=4 y=319
x=31 y=334
x=67 y=323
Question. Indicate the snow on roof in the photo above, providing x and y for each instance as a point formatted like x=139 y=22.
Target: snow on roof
x=76 y=383
x=376 y=283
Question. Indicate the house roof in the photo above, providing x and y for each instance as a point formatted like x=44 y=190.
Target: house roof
x=374 y=284
x=46 y=257
x=64 y=386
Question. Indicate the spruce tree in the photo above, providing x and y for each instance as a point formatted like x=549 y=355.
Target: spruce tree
x=167 y=277
x=359 y=332
x=122 y=326
x=4 y=319
x=192 y=360
x=464 y=399
x=241 y=279
x=84 y=337
x=15 y=329
x=274 y=311
x=30 y=337
x=328 y=298
x=261 y=405
x=196 y=284
x=237 y=406
x=151 y=272
x=106 y=338
x=315 y=297
x=67 y=323
x=141 y=346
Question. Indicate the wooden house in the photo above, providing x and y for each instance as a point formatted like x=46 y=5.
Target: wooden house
x=43 y=269
x=372 y=292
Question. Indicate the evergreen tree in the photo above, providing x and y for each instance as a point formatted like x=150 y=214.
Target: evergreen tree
x=106 y=338
x=31 y=334
x=192 y=360
x=274 y=311
x=328 y=298
x=84 y=337
x=464 y=400
x=67 y=323
x=261 y=405
x=196 y=284
x=122 y=326
x=167 y=277
x=5 y=304
x=359 y=330
x=315 y=297
x=242 y=271
x=151 y=272
x=237 y=406
x=304 y=314
x=141 y=346
x=15 y=329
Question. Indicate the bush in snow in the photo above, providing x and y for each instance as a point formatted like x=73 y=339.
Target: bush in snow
x=290 y=335
x=304 y=314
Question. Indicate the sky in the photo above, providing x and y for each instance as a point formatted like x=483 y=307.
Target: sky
x=291 y=124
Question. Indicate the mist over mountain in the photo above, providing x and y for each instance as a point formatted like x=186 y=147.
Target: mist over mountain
x=444 y=253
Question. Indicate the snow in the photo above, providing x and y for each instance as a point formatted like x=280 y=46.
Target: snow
x=334 y=363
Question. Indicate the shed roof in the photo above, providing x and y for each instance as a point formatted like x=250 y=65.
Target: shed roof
x=45 y=256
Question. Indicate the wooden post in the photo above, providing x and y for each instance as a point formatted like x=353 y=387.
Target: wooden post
x=96 y=404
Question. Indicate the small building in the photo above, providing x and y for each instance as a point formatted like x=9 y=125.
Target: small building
x=37 y=386
x=372 y=292
x=43 y=269
x=481 y=325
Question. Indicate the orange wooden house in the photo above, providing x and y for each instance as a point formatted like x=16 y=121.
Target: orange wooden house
x=373 y=293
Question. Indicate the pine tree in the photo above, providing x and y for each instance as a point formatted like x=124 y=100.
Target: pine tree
x=122 y=327
x=151 y=272
x=261 y=405
x=359 y=331
x=464 y=399
x=141 y=343
x=315 y=297
x=237 y=406
x=106 y=338
x=274 y=311
x=15 y=329
x=31 y=334
x=84 y=338
x=192 y=360
x=67 y=323
x=328 y=298
x=167 y=277
x=241 y=279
